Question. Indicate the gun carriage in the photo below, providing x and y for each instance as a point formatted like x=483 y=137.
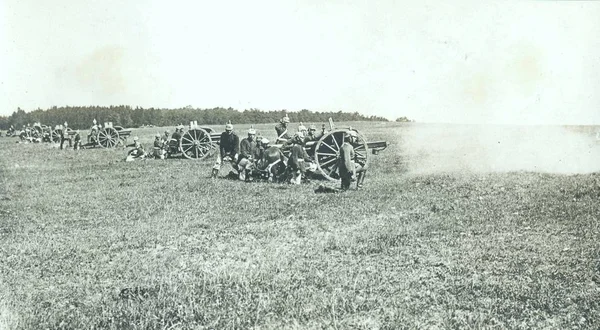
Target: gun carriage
x=110 y=136
x=196 y=143
x=325 y=152
x=57 y=133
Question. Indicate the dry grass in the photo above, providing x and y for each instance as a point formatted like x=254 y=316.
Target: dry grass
x=92 y=242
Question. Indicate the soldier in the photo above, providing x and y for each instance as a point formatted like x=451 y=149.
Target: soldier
x=229 y=149
x=349 y=164
x=282 y=130
x=177 y=135
x=137 y=152
x=271 y=162
x=93 y=135
x=65 y=136
x=312 y=134
x=159 y=147
x=77 y=141
x=303 y=129
x=297 y=158
x=167 y=137
x=249 y=153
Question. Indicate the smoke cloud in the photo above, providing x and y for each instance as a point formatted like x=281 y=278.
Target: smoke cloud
x=494 y=148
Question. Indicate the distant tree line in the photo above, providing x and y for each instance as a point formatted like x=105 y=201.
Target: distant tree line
x=403 y=120
x=79 y=117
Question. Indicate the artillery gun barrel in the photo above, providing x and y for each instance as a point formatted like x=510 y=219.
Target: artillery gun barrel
x=377 y=146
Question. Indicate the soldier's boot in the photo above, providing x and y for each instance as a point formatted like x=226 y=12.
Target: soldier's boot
x=345 y=183
x=361 y=179
x=214 y=173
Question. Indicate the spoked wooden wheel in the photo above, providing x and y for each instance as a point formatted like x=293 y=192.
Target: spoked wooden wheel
x=37 y=131
x=56 y=134
x=108 y=137
x=327 y=153
x=195 y=143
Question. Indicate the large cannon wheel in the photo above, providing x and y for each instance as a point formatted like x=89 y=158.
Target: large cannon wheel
x=327 y=153
x=108 y=137
x=37 y=131
x=56 y=135
x=196 y=143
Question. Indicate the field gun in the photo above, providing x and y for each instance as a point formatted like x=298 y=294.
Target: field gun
x=197 y=142
x=326 y=151
x=108 y=136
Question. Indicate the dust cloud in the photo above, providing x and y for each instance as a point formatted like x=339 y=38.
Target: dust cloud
x=433 y=148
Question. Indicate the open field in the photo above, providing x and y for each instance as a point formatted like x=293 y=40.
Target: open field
x=457 y=227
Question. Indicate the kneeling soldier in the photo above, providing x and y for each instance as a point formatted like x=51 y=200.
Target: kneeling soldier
x=249 y=152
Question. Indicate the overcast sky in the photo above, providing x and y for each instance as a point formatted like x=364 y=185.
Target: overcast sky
x=519 y=62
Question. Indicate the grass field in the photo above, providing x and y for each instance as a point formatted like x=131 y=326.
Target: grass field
x=452 y=230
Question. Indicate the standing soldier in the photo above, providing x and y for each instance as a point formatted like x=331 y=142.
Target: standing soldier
x=249 y=153
x=93 y=135
x=65 y=136
x=348 y=164
x=77 y=141
x=282 y=130
x=297 y=158
x=229 y=149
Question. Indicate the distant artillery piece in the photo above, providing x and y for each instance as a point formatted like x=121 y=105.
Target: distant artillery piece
x=109 y=136
x=196 y=143
x=42 y=132
x=57 y=133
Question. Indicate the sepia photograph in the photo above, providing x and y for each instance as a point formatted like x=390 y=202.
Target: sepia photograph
x=299 y=164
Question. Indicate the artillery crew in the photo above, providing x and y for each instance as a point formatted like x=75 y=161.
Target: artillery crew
x=349 y=165
x=137 y=152
x=282 y=130
x=249 y=152
x=253 y=157
x=93 y=135
x=229 y=149
x=65 y=136
x=312 y=133
x=298 y=157
x=77 y=141
x=159 y=147
x=177 y=134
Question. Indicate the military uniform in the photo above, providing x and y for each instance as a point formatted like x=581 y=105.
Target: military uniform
x=249 y=152
x=65 y=137
x=349 y=166
x=77 y=141
x=137 y=152
x=229 y=146
x=282 y=133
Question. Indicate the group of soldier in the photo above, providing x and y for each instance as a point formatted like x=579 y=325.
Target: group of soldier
x=251 y=158
x=254 y=157
x=37 y=134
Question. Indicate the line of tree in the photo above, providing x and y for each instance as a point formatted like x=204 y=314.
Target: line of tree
x=81 y=117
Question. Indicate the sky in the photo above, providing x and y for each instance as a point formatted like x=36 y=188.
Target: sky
x=506 y=62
